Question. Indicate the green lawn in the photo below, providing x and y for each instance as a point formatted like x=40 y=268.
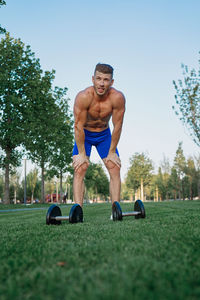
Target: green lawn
x=153 y=258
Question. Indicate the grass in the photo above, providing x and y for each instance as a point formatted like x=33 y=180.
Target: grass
x=153 y=258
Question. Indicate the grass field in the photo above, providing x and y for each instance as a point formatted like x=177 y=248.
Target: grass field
x=153 y=258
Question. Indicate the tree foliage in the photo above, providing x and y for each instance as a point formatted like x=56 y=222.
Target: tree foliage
x=32 y=114
x=188 y=101
x=49 y=128
x=61 y=150
x=141 y=167
x=96 y=181
x=179 y=166
x=32 y=180
x=2 y=2
x=181 y=181
x=18 y=70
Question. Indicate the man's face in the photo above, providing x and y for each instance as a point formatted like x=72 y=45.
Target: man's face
x=102 y=82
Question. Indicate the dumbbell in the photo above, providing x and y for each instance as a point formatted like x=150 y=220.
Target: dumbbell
x=117 y=214
x=54 y=215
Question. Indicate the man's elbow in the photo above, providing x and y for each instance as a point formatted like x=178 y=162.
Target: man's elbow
x=118 y=127
x=78 y=127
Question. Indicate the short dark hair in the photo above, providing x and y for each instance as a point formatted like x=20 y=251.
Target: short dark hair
x=104 y=68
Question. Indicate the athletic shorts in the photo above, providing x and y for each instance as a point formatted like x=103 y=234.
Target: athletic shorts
x=101 y=140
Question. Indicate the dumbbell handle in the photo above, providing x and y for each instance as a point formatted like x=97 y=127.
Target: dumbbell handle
x=131 y=213
x=60 y=218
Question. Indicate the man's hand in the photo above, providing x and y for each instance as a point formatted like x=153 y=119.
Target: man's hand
x=114 y=158
x=79 y=160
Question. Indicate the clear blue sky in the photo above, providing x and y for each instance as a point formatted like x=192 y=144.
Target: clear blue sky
x=145 y=41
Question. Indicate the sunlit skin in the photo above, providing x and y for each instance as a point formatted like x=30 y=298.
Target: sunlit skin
x=93 y=109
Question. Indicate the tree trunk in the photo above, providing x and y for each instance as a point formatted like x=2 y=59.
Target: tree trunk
x=198 y=189
x=15 y=195
x=96 y=193
x=136 y=196
x=179 y=194
x=175 y=195
x=42 y=184
x=32 y=197
x=142 y=189
x=61 y=189
x=157 y=194
x=191 y=192
x=131 y=197
x=7 y=179
x=69 y=196
x=56 y=190
x=183 y=191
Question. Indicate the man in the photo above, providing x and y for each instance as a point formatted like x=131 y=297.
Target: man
x=93 y=109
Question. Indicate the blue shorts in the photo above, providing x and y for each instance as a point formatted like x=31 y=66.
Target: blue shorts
x=101 y=140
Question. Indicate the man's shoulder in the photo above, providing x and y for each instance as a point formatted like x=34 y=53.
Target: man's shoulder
x=88 y=92
x=117 y=96
x=84 y=96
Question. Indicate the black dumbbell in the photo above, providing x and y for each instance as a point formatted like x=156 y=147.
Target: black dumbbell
x=54 y=215
x=117 y=214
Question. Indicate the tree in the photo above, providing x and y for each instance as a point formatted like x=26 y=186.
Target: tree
x=48 y=127
x=191 y=173
x=32 y=179
x=40 y=122
x=31 y=187
x=2 y=2
x=197 y=165
x=140 y=172
x=180 y=165
x=1 y=187
x=187 y=101
x=18 y=71
x=96 y=181
x=173 y=183
x=14 y=185
x=166 y=169
x=61 y=153
x=160 y=181
x=50 y=187
x=125 y=191
x=160 y=184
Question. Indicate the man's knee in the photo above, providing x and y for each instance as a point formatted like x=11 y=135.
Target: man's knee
x=110 y=165
x=82 y=169
x=114 y=170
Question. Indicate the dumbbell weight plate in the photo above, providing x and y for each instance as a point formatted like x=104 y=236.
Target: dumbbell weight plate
x=116 y=211
x=76 y=214
x=53 y=211
x=138 y=206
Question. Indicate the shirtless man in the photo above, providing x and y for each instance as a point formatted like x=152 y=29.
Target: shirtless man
x=93 y=109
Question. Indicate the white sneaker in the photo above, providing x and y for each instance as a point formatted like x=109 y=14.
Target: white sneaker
x=111 y=217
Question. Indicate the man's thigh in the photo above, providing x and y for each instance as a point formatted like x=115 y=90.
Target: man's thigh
x=103 y=147
x=88 y=148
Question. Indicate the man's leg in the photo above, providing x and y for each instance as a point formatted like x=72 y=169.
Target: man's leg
x=115 y=180
x=78 y=184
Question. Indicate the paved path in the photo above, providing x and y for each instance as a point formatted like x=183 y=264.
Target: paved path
x=22 y=209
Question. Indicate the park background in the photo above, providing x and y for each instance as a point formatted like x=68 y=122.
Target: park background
x=152 y=258
x=146 y=43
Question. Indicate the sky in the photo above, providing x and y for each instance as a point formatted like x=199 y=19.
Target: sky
x=145 y=41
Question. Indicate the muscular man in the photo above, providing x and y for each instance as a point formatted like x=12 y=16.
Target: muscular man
x=93 y=109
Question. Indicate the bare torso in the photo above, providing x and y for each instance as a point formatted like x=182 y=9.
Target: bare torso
x=99 y=112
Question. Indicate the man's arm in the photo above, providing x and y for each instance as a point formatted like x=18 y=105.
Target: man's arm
x=80 y=117
x=117 y=119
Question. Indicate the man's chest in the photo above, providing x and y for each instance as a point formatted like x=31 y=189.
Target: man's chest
x=100 y=110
